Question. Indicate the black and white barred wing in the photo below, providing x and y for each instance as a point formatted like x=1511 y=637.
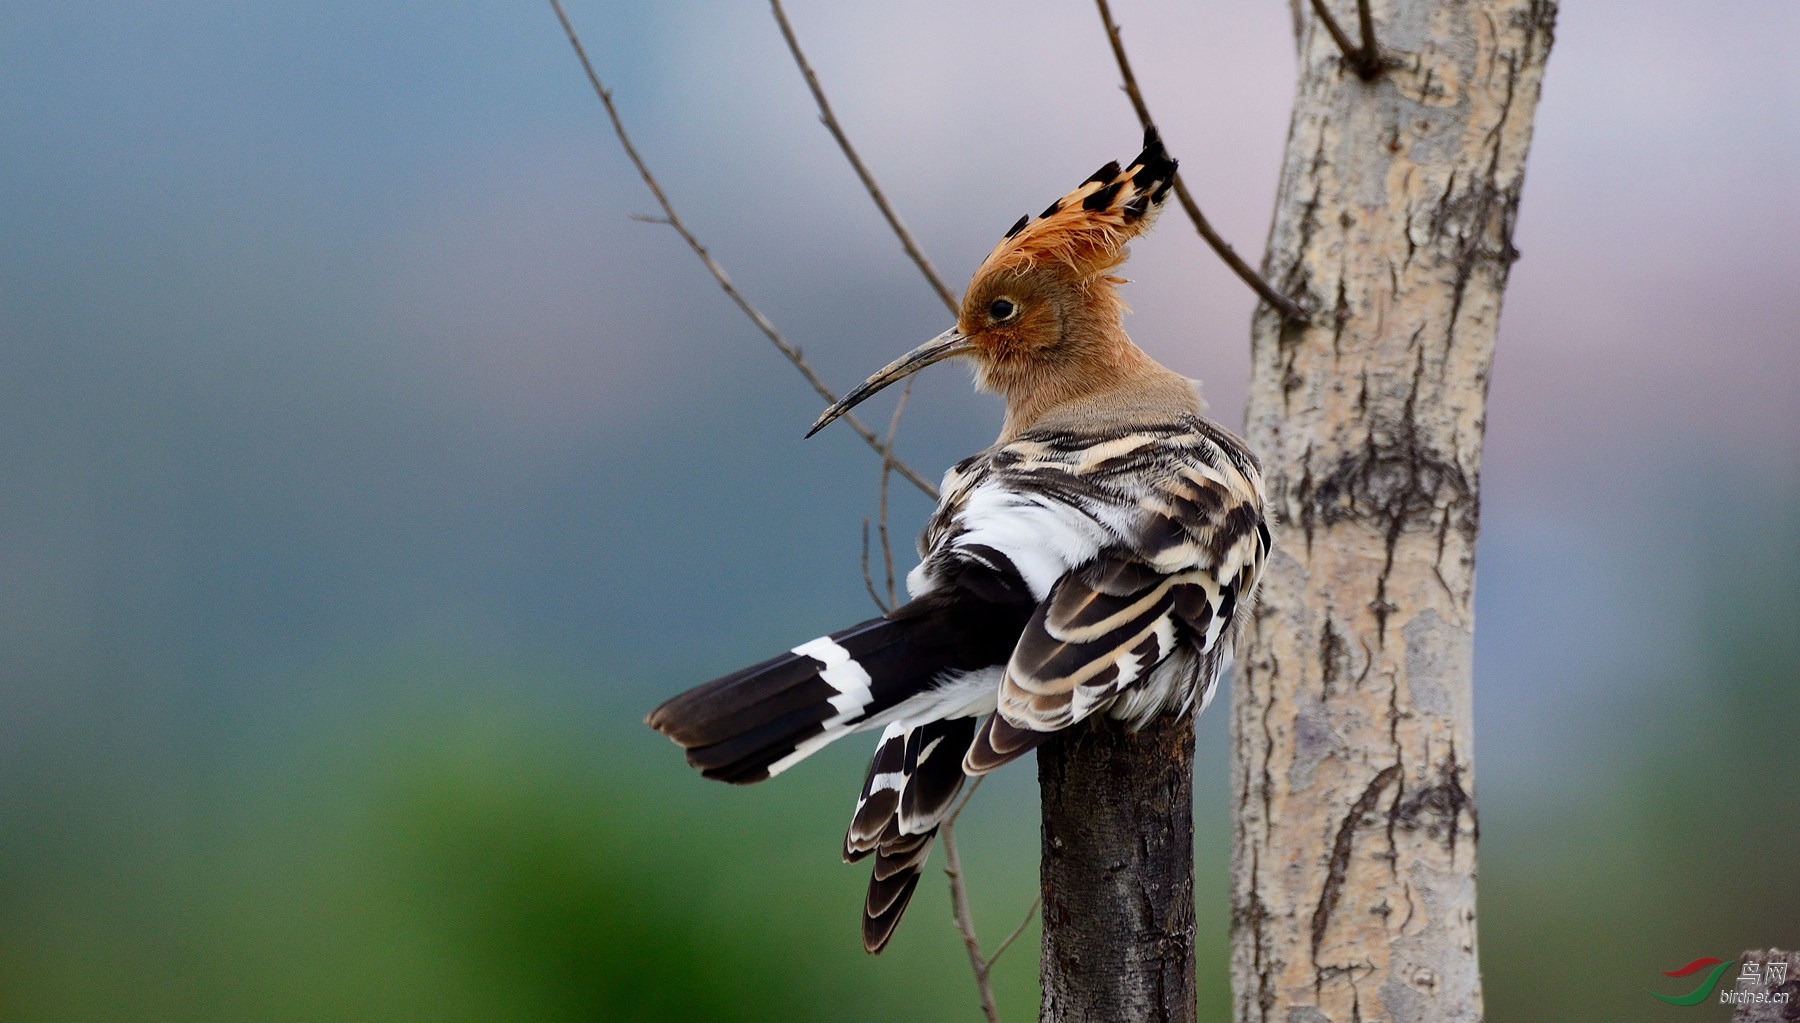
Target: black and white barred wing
x=1135 y=626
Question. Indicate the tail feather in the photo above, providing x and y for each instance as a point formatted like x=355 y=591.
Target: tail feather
x=880 y=797
x=714 y=712
x=924 y=671
x=934 y=773
x=740 y=758
x=912 y=786
x=878 y=928
x=891 y=886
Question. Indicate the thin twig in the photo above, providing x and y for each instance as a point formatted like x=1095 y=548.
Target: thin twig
x=1118 y=49
x=837 y=132
x=887 y=549
x=1337 y=31
x=829 y=119
x=964 y=803
x=869 y=582
x=1285 y=305
x=791 y=351
x=1370 y=51
x=959 y=908
x=1014 y=936
x=1365 y=60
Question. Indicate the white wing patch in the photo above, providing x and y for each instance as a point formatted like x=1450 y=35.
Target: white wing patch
x=1044 y=538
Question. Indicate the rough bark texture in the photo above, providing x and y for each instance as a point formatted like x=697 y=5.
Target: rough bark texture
x=1353 y=889
x=1118 y=873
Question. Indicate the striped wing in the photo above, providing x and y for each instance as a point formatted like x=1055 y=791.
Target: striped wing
x=1103 y=627
x=1141 y=547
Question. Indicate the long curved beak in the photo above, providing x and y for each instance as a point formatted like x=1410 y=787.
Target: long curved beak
x=950 y=343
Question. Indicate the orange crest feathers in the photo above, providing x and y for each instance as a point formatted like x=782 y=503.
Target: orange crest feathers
x=1088 y=228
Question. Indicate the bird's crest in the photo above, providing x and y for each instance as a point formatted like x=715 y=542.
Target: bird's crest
x=1087 y=229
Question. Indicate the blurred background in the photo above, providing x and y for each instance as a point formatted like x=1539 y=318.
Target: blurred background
x=366 y=473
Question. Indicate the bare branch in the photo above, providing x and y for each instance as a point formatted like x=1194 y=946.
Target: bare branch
x=868 y=581
x=1371 y=53
x=837 y=132
x=960 y=807
x=1285 y=305
x=959 y=907
x=1118 y=49
x=791 y=351
x=1014 y=936
x=887 y=548
x=829 y=119
x=1365 y=60
x=1337 y=32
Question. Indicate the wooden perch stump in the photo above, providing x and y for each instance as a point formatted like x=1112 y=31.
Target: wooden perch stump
x=1118 y=873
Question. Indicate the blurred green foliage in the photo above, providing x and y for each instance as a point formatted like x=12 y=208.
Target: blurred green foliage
x=485 y=864
x=1682 y=839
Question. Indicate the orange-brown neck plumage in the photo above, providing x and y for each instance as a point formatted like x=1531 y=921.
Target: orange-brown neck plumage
x=1080 y=356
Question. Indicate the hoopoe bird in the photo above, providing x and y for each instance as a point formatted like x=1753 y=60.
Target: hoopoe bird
x=1098 y=559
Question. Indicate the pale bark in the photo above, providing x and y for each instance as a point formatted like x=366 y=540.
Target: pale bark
x=1353 y=860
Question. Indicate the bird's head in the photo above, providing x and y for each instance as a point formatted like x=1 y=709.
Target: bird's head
x=1041 y=317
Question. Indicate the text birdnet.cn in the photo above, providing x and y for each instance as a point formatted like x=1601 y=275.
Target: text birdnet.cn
x=1098 y=558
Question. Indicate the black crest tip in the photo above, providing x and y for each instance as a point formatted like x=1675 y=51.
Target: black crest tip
x=1019 y=225
x=1154 y=150
x=1106 y=173
x=1103 y=198
x=1154 y=164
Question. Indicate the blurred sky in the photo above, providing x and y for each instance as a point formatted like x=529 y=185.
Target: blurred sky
x=325 y=335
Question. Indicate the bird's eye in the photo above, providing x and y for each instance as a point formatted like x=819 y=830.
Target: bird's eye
x=1002 y=309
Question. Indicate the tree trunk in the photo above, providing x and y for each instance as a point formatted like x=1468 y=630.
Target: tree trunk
x=1118 y=873
x=1353 y=859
